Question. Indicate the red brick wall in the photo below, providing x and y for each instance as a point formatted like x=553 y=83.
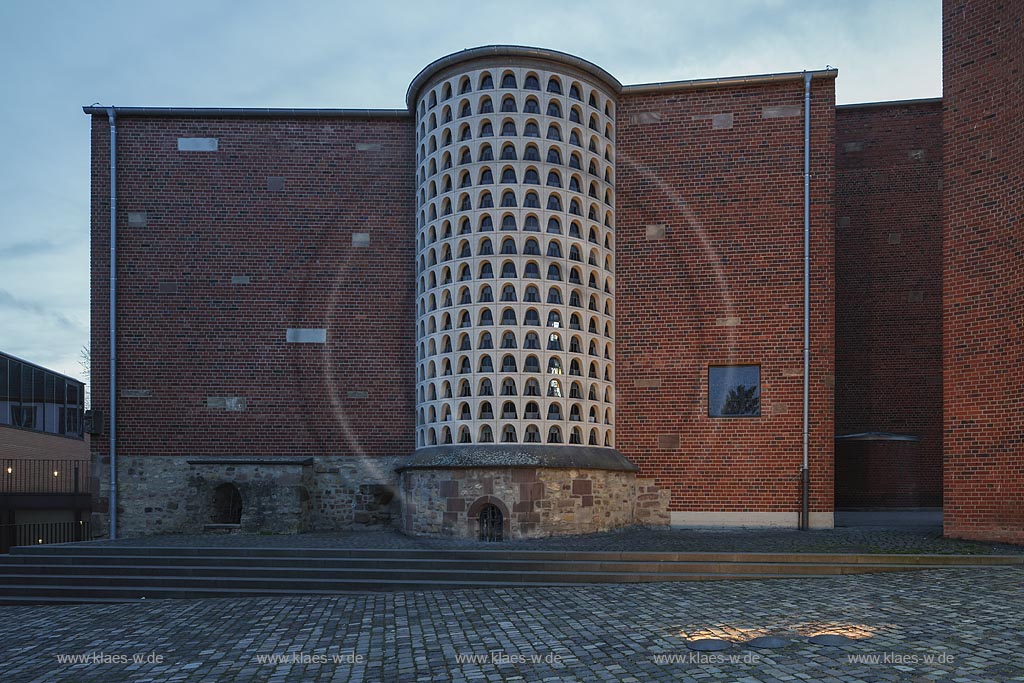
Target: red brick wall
x=983 y=92
x=210 y=216
x=889 y=303
x=732 y=201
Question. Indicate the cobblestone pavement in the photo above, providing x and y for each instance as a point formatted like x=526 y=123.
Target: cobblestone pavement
x=840 y=540
x=960 y=625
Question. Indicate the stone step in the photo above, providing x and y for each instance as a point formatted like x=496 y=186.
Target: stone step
x=204 y=567
x=507 y=554
x=70 y=588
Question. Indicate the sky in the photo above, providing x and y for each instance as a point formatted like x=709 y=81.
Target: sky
x=60 y=55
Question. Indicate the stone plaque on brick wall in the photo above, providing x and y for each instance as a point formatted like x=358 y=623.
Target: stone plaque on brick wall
x=668 y=441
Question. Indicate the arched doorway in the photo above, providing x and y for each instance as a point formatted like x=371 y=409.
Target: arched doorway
x=491 y=523
x=227 y=505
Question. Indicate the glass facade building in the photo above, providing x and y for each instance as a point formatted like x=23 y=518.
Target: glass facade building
x=34 y=398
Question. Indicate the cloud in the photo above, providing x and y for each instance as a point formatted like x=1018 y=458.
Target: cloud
x=31 y=248
x=11 y=302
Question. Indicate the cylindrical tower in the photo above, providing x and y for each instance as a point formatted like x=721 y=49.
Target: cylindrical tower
x=515 y=250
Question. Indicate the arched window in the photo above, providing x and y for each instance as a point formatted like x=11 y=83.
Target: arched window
x=508 y=80
x=486 y=435
x=531 y=130
x=554 y=156
x=508 y=411
x=531 y=83
x=508 y=364
x=508 y=434
x=532 y=364
x=508 y=152
x=508 y=222
x=532 y=434
x=486 y=81
x=530 y=248
x=508 y=293
x=554 y=108
x=554 y=412
x=508 y=340
x=508 y=387
x=508 y=104
x=532 y=295
x=508 y=199
x=554 y=389
x=508 y=127
x=486 y=364
x=531 y=106
x=554 y=132
x=486 y=105
x=555 y=435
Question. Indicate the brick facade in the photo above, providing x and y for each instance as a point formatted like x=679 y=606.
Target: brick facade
x=983 y=92
x=889 y=303
x=220 y=253
x=267 y=275
x=710 y=271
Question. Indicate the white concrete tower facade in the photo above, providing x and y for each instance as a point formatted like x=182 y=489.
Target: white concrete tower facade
x=515 y=250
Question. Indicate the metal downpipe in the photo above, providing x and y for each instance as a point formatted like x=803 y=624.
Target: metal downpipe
x=805 y=478
x=112 y=116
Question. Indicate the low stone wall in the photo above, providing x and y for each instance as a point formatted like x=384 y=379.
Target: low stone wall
x=533 y=501
x=162 y=494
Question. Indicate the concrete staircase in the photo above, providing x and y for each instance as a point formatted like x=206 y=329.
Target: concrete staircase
x=93 y=573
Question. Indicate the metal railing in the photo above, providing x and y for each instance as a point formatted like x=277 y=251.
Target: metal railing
x=44 y=476
x=42 y=533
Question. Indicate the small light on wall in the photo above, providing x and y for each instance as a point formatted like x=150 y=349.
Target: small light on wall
x=40 y=540
x=10 y=470
x=56 y=473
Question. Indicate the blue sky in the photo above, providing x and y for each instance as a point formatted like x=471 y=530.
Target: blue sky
x=58 y=56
